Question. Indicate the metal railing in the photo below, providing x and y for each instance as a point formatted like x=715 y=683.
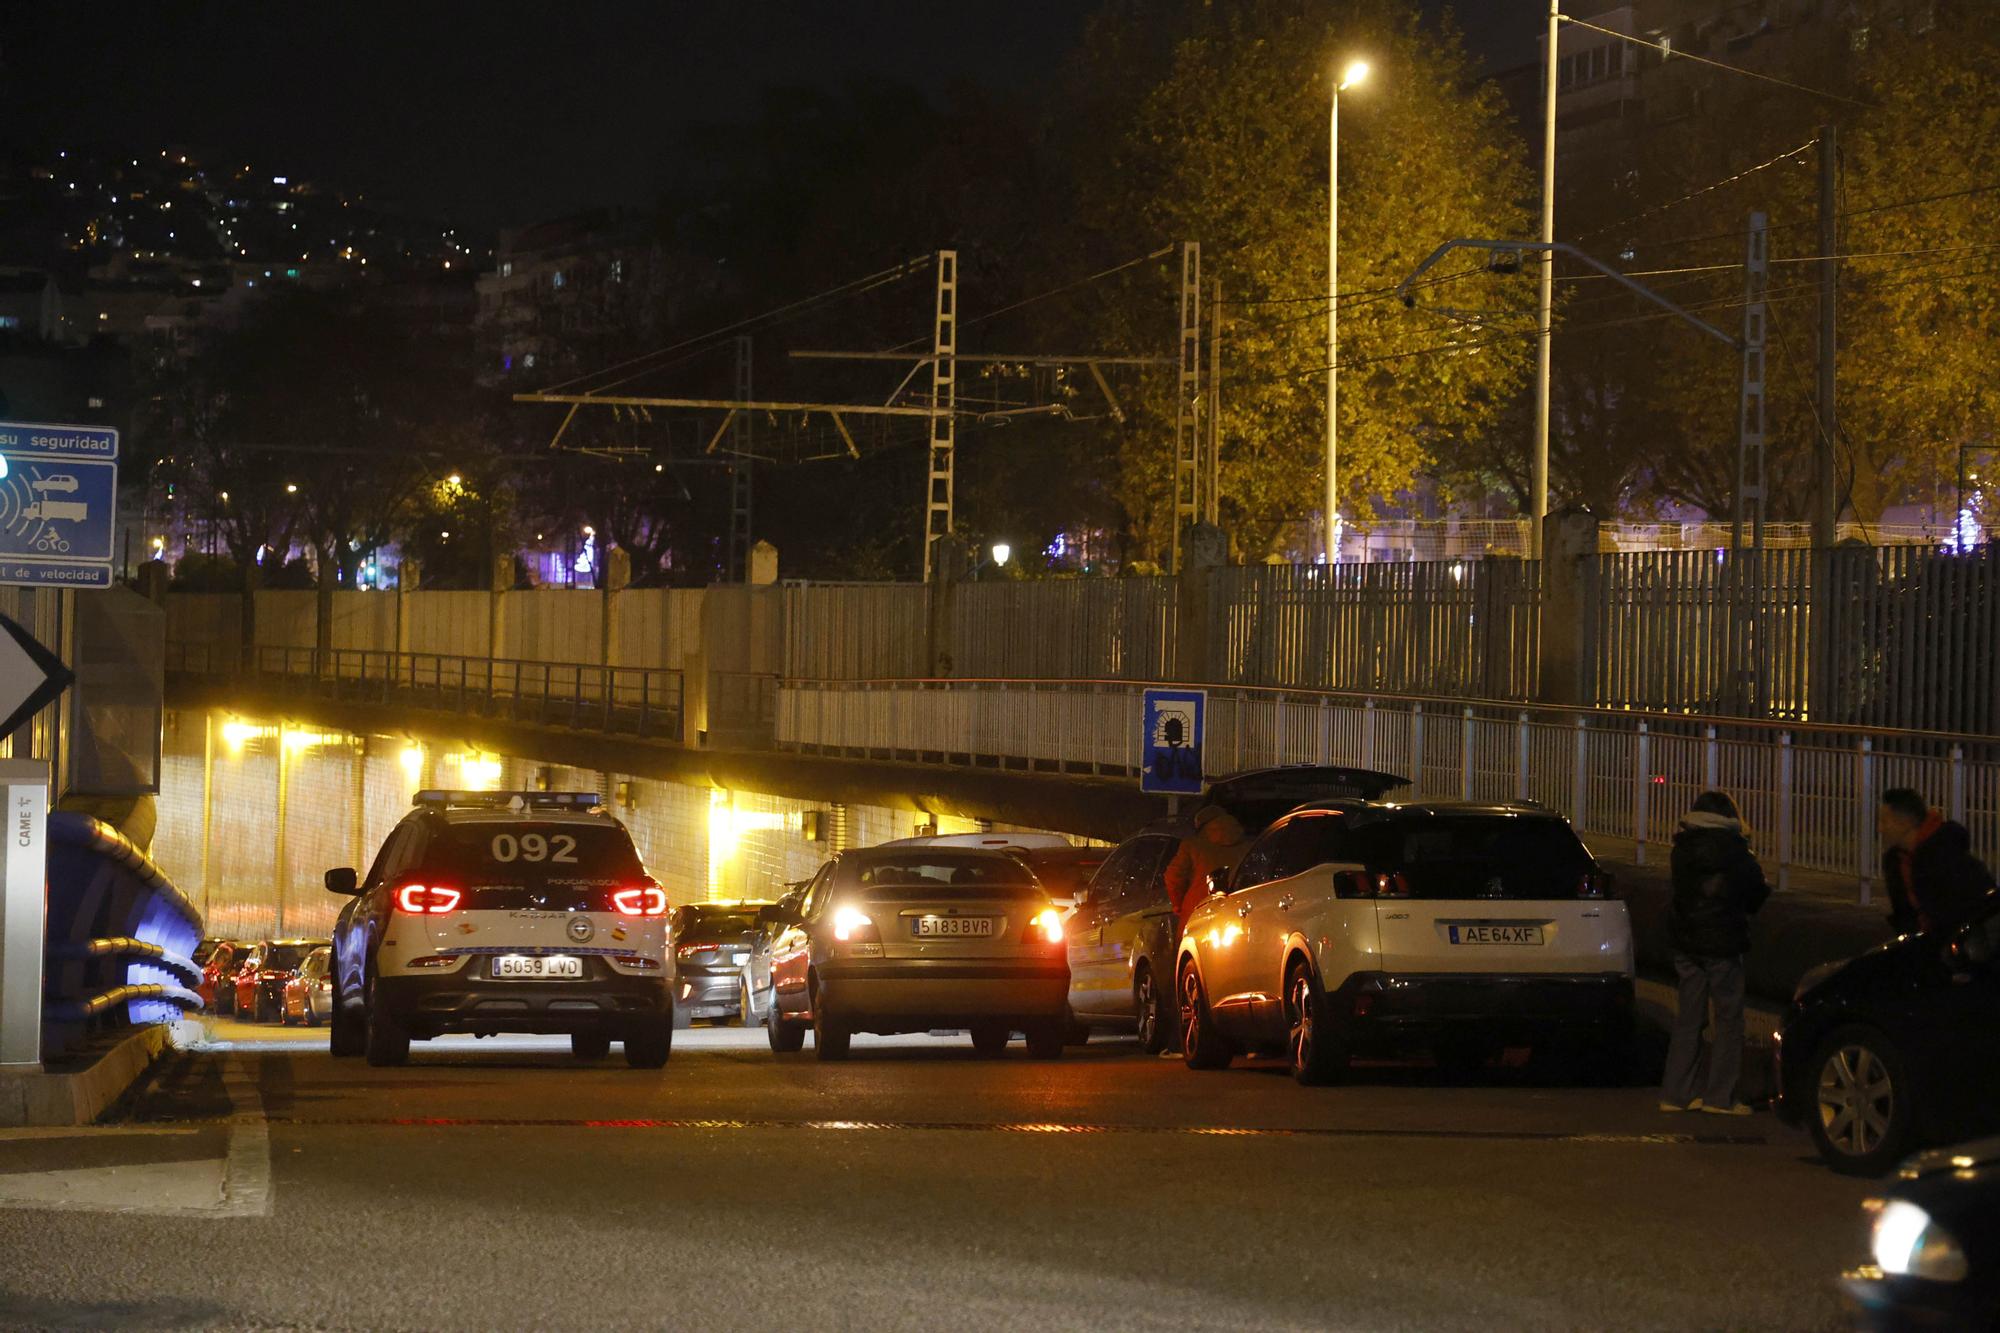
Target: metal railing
x=631 y=701
x=1809 y=793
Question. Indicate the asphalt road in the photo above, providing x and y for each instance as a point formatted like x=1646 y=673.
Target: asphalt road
x=500 y=1185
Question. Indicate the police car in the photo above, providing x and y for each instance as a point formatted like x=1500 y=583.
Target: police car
x=490 y=912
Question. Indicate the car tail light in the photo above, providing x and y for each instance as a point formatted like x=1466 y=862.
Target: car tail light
x=426 y=899
x=690 y=950
x=645 y=900
x=1370 y=884
x=1047 y=925
x=1597 y=884
x=851 y=925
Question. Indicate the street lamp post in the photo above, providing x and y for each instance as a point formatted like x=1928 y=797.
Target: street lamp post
x=1355 y=72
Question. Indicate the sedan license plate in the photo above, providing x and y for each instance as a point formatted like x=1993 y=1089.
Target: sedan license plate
x=1490 y=934
x=955 y=927
x=527 y=967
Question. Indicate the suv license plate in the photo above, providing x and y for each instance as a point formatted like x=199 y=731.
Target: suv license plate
x=527 y=967
x=1495 y=934
x=954 y=927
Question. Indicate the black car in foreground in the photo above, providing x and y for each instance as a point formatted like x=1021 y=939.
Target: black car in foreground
x=1897 y=1048
x=1935 y=1240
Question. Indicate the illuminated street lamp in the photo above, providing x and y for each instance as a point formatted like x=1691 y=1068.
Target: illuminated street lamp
x=1002 y=552
x=1350 y=77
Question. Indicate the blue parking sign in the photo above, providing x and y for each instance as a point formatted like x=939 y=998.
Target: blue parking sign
x=1174 y=721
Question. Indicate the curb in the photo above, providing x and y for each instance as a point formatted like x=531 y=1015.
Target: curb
x=79 y=1097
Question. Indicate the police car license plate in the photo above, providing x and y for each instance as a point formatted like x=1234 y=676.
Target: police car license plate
x=954 y=927
x=1487 y=934
x=528 y=967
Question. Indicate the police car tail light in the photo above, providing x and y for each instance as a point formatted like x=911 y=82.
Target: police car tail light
x=646 y=900
x=854 y=926
x=1046 y=926
x=427 y=899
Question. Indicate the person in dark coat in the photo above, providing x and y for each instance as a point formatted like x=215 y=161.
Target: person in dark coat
x=1718 y=885
x=1933 y=879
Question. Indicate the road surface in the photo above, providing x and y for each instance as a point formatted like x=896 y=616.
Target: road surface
x=499 y=1184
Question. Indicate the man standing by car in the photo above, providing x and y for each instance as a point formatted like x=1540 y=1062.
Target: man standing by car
x=1933 y=878
x=1217 y=843
x=1717 y=885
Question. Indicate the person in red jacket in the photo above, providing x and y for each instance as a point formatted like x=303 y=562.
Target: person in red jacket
x=1934 y=880
x=1217 y=843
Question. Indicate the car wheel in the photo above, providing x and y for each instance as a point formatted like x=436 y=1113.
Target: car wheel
x=990 y=1039
x=589 y=1045
x=650 y=1046
x=349 y=1037
x=1045 y=1039
x=1316 y=1052
x=1149 y=1004
x=787 y=1036
x=311 y=1014
x=1202 y=1047
x=260 y=1009
x=387 y=1041
x=1863 y=1104
x=830 y=1039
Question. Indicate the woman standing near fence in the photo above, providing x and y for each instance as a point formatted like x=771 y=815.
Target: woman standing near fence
x=1717 y=886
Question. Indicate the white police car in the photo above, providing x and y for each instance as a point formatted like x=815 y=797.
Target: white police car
x=491 y=912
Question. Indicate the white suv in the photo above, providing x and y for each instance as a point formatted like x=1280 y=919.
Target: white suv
x=491 y=912
x=1352 y=927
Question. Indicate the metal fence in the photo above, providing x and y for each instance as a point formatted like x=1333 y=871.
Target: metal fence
x=1062 y=629
x=633 y=701
x=1449 y=627
x=1811 y=793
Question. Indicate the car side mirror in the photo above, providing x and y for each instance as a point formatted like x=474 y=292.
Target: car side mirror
x=1218 y=882
x=778 y=914
x=1081 y=897
x=343 y=881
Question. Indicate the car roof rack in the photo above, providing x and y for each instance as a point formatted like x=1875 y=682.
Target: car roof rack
x=448 y=798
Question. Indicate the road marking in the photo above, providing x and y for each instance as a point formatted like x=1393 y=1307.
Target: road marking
x=237 y=1184
x=1023 y=1127
x=246 y=1171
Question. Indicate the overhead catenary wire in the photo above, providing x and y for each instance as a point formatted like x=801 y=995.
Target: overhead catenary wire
x=1669 y=54
x=847 y=289
x=1805 y=147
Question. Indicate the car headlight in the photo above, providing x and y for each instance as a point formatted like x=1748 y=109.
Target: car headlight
x=1908 y=1242
x=1813 y=976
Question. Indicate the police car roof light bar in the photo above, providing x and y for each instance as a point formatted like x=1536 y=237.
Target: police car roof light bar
x=500 y=800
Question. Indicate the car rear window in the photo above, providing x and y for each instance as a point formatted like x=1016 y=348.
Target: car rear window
x=1476 y=856
x=285 y=957
x=534 y=853
x=703 y=925
x=921 y=872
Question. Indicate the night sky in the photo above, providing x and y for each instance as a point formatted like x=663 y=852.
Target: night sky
x=505 y=112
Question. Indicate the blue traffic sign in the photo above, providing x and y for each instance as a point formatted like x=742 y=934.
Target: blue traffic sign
x=58 y=504
x=1174 y=722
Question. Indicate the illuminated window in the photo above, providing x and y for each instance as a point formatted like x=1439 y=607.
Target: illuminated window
x=506 y=268
x=618 y=270
x=556 y=278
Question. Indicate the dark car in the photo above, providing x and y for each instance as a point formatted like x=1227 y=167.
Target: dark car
x=277 y=961
x=1897 y=1048
x=1122 y=933
x=722 y=960
x=219 y=960
x=1935 y=1238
